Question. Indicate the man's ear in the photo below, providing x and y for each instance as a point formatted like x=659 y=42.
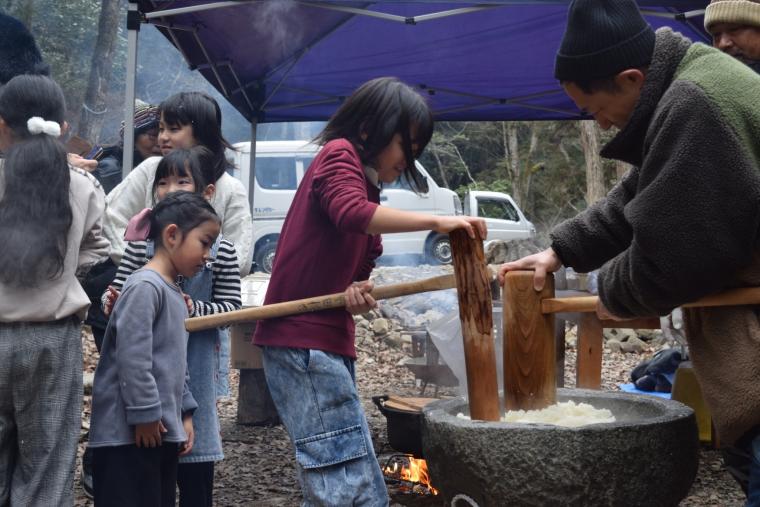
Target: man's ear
x=209 y=191
x=64 y=128
x=6 y=135
x=630 y=78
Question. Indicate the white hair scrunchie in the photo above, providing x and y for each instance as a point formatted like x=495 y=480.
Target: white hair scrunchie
x=37 y=125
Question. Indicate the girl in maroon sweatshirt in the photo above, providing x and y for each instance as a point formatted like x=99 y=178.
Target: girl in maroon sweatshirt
x=329 y=243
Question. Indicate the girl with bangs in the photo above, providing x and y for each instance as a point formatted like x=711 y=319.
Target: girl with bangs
x=187 y=119
x=213 y=288
x=329 y=242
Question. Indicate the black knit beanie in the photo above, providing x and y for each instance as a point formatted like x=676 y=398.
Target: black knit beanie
x=602 y=38
x=19 y=53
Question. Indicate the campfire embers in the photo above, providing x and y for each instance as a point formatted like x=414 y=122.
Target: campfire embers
x=408 y=474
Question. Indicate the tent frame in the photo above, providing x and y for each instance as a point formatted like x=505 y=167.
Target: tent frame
x=158 y=18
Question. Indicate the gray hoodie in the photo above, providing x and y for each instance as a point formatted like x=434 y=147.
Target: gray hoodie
x=142 y=373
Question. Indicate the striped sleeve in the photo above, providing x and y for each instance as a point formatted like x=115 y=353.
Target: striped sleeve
x=226 y=284
x=133 y=259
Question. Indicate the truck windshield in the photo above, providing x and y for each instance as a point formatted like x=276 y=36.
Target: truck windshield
x=493 y=208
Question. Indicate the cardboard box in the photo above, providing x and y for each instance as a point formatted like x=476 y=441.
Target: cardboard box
x=243 y=354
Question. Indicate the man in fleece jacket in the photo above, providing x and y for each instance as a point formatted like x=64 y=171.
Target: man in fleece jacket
x=684 y=222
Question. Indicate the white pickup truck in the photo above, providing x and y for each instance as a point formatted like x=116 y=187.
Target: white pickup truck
x=280 y=166
x=504 y=221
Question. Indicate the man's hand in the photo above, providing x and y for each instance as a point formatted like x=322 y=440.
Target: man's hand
x=149 y=434
x=111 y=297
x=189 y=303
x=187 y=445
x=542 y=262
x=358 y=297
x=603 y=313
x=82 y=163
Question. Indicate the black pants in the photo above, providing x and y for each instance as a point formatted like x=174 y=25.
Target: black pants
x=196 y=484
x=129 y=476
x=95 y=284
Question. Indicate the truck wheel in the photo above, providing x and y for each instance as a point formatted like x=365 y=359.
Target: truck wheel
x=439 y=250
x=265 y=256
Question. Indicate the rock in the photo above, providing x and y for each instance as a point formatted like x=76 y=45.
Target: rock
x=393 y=339
x=87 y=379
x=633 y=345
x=613 y=345
x=620 y=335
x=499 y=251
x=381 y=326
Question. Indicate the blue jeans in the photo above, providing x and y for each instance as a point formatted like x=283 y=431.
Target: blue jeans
x=753 y=493
x=315 y=395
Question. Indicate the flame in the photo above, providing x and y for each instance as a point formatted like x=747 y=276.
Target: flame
x=414 y=471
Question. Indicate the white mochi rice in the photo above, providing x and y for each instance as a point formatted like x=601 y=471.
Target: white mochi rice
x=567 y=414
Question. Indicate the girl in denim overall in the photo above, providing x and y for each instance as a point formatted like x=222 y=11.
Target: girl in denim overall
x=215 y=288
x=329 y=242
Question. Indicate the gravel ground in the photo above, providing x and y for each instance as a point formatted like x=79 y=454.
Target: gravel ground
x=258 y=469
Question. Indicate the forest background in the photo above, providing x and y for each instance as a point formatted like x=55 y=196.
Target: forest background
x=552 y=169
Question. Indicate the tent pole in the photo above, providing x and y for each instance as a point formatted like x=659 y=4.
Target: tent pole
x=196 y=8
x=252 y=165
x=133 y=28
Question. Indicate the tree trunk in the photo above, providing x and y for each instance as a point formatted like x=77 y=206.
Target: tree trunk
x=23 y=10
x=595 y=184
x=437 y=157
x=621 y=168
x=518 y=178
x=93 y=107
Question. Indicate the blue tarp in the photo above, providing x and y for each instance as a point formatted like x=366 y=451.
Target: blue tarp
x=283 y=60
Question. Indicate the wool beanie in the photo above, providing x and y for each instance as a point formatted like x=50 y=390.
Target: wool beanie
x=602 y=38
x=19 y=53
x=146 y=117
x=741 y=12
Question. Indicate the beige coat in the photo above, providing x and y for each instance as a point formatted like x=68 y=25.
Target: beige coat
x=64 y=296
x=135 y=193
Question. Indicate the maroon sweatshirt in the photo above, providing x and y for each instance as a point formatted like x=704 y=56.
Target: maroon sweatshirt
x=323 y=249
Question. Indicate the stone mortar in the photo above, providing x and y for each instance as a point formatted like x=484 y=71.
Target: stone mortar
x=648 y=457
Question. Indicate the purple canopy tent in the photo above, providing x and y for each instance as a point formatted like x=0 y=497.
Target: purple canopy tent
x=290 y=60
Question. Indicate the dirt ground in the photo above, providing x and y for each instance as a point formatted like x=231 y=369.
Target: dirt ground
x=258 y=469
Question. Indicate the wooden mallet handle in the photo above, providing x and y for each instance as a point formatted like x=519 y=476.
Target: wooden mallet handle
x=316 y=303
x=733 y=297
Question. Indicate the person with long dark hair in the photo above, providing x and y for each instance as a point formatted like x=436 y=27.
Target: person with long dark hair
x=329 y=243
x=50 y=222
x=187 y=119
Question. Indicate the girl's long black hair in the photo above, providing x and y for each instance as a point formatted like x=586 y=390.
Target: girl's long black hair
x=202 y=113
x=35 y=211
x=187 y=210
x=374 y=113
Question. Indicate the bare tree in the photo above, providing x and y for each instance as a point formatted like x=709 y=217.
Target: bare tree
x=93 y=107
x=596 y=187
x=621 y=168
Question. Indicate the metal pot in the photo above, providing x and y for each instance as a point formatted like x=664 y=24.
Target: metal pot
x=404 y=428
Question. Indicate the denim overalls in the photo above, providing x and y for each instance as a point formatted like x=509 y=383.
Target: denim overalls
x=203 y=365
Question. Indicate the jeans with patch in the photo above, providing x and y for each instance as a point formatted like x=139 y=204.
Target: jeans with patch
x=315 y=395
x=753 y=492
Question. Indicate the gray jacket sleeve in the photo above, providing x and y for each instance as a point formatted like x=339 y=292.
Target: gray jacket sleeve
x=134 y=353
x=695 y=216
x=599 y=233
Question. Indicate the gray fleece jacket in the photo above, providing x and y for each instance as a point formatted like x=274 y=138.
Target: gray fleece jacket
x=685 y=221
x=142 y=373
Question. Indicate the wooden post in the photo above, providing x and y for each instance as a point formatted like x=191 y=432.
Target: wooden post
x=588 y=366
x=255 y=405
x=529 y=347
x=559 y=338
x=476 y=314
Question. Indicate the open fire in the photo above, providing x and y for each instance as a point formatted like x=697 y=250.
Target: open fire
x=410 y=473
